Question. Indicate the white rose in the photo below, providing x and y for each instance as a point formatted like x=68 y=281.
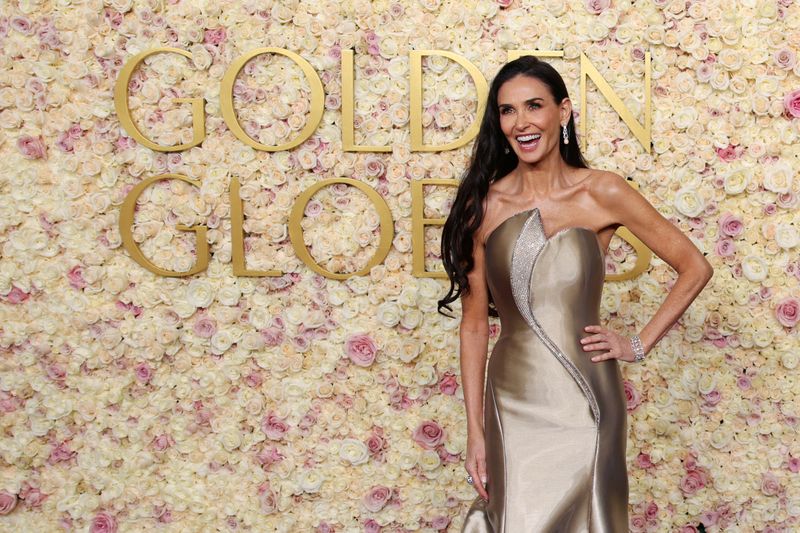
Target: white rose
x=201 y=58
x=754 y=268
x=230 y=439
x=229 y=295
x=388 y=314
x=706 y=383
x=424 y=374
x=786 y=236
x=200 y=293
x=736 y=181
x=411 y=318
x=221 y=341
x=688 y=202
x=310 y=480
x=354 y=451
x=778 y=177
x=789 y=360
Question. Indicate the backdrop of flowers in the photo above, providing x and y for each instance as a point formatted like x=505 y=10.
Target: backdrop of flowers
x=131 y=401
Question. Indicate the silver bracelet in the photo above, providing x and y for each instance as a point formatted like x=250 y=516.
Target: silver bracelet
x=638 y=349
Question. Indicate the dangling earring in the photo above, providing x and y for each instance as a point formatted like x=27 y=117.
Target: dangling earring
x=565 y=134
x=507 y=150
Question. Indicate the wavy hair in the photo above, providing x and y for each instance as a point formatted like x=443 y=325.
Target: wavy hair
x=489 y=163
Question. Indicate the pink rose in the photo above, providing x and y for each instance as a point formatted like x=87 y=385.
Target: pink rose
x=75 y=277
x=632 y=396
x=448 y=384
x=371 y=526
x=204 y=327
x=103 y=523
x=794 y=464
x=785 y=58
x=637 y=523
x=269 y=456
x=770 y=484
x=32 y=147
x=791 y=102
x=651 y=512
x=272 y=336
x=376 y=498
x=143 y=373
x=7 y=502
x=324 y=527
x=504 y=3
x=692 y=482
x=440 y=523
x=163 y=514
x=253 y=379
x=268 y=500
x=712 y=398
x=274 y=427
x=428 y=434
x=361 y=349
x=162 y=442
x=688 y=529
x=743 y=382
x=375 y=444
x=643 y=461
x=725 y=247
x=32 y=496
x=729 y=153
x=596 y=7
x=731 y=225
x=788 y=311
x=60 y=453
x=17 y=295
x=214 y=36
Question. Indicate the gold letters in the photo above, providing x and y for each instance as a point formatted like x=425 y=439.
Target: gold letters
x=229 y=114
x=416 y=101
x=418 y=223
x=126 y=229
x=237 y=237
x=124 y=111
x=348 y=109
x=296 y=230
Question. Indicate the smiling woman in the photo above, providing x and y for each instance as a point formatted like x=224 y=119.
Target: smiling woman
x=546 y=439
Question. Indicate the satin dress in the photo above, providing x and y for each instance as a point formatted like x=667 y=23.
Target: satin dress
x=554 y=421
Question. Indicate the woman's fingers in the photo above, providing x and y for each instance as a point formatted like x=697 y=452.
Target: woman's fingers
x=482 y=479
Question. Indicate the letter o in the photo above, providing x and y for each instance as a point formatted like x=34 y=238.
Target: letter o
x=226 y=99
x=296 y=230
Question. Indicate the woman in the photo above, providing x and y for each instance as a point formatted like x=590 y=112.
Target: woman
x=528 y=232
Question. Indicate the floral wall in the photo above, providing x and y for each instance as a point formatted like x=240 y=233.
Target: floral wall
x=131 y=401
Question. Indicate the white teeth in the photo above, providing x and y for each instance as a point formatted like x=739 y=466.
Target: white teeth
x=529 y=137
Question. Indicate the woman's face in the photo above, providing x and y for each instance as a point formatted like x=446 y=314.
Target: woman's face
x=529 y=117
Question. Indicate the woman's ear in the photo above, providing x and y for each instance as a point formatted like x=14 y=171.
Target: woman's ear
x=566 y=110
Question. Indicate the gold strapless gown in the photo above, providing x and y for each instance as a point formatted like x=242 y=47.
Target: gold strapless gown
x=554 y=421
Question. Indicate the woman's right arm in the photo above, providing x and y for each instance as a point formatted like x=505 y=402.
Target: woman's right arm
x=474 y=339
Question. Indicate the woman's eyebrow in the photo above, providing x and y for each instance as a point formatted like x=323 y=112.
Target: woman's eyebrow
x=528 y=101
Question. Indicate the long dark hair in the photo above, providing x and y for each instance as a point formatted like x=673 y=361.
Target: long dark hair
x=489 y=163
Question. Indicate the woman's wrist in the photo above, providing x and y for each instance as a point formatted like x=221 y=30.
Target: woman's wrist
x=638 y=348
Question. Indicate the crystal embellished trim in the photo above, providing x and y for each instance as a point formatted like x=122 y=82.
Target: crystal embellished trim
x=529 y=243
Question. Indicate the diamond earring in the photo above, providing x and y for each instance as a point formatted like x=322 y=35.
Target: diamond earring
x=507 y=150
x=565 y=134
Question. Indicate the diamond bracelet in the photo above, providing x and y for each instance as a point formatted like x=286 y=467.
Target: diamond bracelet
x=638 y=349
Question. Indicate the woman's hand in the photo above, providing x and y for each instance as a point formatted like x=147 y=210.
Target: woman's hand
x=476 y=463
x=618 y=347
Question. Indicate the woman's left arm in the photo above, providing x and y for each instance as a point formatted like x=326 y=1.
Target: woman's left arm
x=622 y=203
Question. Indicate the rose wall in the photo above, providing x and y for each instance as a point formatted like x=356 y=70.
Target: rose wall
x=131 y=401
